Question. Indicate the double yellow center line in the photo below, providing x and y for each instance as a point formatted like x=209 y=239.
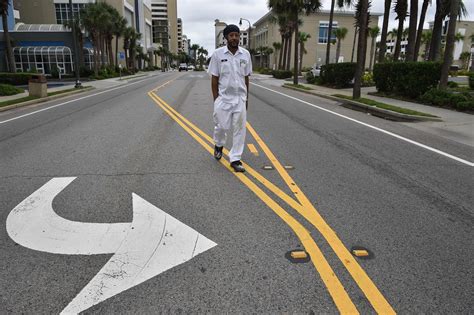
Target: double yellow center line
x=305 y=208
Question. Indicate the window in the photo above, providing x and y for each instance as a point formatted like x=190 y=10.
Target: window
x=62 y=11
x=323 y=32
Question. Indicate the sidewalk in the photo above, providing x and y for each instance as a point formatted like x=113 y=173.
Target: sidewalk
x=456 y=126
x=97 y=84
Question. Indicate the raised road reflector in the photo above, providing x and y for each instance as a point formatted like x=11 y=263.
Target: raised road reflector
x=289 y=167
x=299 y=254
x=360 y=253
x=268 y=167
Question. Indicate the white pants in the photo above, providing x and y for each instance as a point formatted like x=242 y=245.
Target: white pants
x=227 y=116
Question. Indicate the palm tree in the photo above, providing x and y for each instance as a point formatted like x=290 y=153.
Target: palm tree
x=119 y=28
x=356 y=32
x=277 y=47
x=260 y=50
x=458 y=37
x=268 y=51
x=340 y=34
x=426 y=40
x=442 y=11
x=4 y=12
x=401 y=8
x=294 y=9
x=465 y=57
x=302 y=38
x=340 y=4
x=373 y=32
x=92 y=16
x=383 y=40
x=410 y=49
x=419 y=35
x=450 y=40
x=362 y=17
x=195 y=48
x=472 y=61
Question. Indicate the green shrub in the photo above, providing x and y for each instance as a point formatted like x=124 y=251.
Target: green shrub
x=452 y=84
x=444 y=98
x=54 y=72
x=19 y=78
x=339 y=75
x=7 y=89
x=471 y=80
x=282 y=74
x=310 y=78
x=368 y=79
x=410 y=79
x=266 y=71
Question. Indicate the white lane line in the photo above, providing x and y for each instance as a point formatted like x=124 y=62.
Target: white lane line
x=375 y=128
x=74 y=100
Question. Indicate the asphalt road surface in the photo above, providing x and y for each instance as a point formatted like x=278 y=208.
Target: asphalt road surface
x=112 y=203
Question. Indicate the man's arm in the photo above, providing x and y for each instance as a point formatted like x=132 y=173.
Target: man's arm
x=247 y=83
x=215 y=87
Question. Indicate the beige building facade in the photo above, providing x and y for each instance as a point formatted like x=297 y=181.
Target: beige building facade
x=265 y=33
x=165 y=23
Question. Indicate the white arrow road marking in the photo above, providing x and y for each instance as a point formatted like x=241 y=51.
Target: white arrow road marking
x=151 y=244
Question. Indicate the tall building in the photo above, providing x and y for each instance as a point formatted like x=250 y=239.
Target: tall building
x=219 y=33
x=185 y=44
x=165 y=23
x=180 y=35
x=266 y=33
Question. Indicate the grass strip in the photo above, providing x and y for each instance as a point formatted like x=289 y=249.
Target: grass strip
x=392 y=108
x=298 y=86
x=29 y=98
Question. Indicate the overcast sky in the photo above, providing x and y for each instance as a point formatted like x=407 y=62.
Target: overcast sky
x=198 y=15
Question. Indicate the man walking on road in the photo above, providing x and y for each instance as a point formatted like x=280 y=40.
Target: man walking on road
x=230 y=68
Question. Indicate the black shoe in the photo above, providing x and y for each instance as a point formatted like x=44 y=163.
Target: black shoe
x=237 y=166
x=217 y=152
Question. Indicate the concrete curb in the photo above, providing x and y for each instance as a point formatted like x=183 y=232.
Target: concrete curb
x=45 y=99
x=380 y=112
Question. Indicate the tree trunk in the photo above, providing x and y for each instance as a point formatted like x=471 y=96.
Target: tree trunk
x=354 y=43
x=338 y=49
x=424 y=8
x=361 y=48
x=288 y=57
x=284 y=53
x=280 y=56
x=436 y=34
x=410 y=50
x=116 y=50
x=372 y=53
x=96 y=56
x=398 y=45
x=383 y=39
x=261 y=58
x=450 y=41
x=111 y=52
x=295 y=63
x=300 y=67
x=328 y=46
x=80 y=53
x=9 y=51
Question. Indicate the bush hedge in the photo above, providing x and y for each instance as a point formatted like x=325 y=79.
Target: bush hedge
x=282 y=74
x=19 y=78
x=471 y=80
x=7 y=89
x=410 y=79
x=446 y=98
x=310 y=78
x=339 y=75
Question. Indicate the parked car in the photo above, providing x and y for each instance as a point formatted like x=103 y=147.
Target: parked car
x=183 y=67
x=191 y=67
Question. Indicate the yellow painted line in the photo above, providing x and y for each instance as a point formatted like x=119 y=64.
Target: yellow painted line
x=274 y=189
x=253 y=149
x=334 y=286
x=298 y=254
x=310 y=213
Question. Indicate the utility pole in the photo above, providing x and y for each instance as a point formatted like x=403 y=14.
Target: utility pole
x=76 y=52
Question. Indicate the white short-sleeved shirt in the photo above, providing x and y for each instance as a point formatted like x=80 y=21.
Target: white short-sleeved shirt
x=231 y=70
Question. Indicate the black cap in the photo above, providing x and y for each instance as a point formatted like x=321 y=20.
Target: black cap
x=230 y=29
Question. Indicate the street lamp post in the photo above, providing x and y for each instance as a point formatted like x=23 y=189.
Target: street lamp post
x=76 y=53
x=250 y=27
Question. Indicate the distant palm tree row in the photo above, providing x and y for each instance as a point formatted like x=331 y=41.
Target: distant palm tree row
x=287 y=15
